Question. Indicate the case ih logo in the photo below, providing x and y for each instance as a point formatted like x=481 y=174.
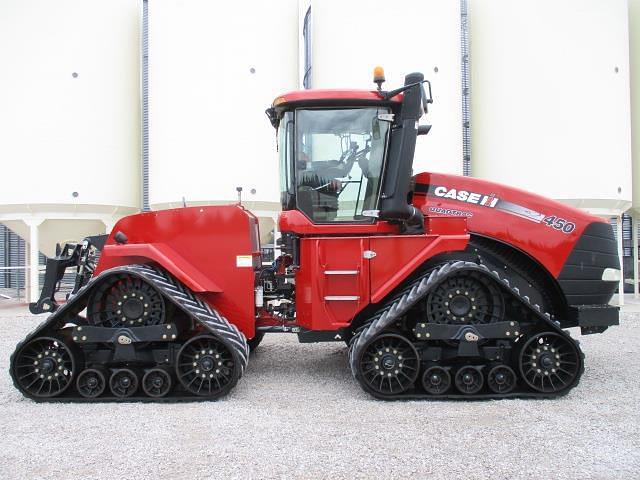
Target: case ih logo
x=464 y=196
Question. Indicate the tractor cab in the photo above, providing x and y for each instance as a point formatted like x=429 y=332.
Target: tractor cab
x=346 y=155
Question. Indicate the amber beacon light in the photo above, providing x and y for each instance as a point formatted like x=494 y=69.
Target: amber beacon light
x=378 y=76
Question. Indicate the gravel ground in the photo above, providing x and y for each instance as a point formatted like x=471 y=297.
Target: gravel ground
x=297 y=413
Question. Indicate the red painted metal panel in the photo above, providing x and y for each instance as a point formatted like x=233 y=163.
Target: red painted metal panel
x=397 y=257
x=171 y=260
x=298 y=222
x=332 y=285
x=508 y=214
x=330 y=94
x=200 y=246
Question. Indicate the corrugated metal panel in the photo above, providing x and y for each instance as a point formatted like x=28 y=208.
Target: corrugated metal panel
x=466 y=89
x=626 y=236
x=144 y=85
x=3 y=255
x=627 y=246
x=12 y=254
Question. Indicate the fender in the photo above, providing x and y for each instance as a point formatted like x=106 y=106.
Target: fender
x=163 y=255
x=213 y=250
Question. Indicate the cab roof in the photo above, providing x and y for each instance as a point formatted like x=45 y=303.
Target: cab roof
x=332 y=96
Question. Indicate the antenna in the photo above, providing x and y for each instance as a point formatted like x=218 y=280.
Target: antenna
x=239 y=190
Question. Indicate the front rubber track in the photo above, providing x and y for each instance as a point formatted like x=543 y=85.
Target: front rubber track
x=172 y=290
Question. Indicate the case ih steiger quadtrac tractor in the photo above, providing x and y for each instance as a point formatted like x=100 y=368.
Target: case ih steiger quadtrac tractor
x=442 y=286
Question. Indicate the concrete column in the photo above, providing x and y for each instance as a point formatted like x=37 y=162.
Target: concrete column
x=621 y=258
x=34 y=273
x=634 y=240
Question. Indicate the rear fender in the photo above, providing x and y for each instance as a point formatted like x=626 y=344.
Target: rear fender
x=162 y=255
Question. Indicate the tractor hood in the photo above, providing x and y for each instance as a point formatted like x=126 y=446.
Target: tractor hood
x=545 y=229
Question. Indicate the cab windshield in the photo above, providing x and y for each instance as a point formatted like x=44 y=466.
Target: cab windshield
x=334 y=174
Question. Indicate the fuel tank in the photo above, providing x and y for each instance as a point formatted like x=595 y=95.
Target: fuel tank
x=577 y=249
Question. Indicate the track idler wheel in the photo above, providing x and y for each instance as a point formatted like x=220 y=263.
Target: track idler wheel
x=207 y=366
x=123 y=383
x=436 y=380
x=388 y=365
x=501 y=379
x=550 y=363
x=44 y=367
x=91 y=382
x=157 y=382
x=469 y=380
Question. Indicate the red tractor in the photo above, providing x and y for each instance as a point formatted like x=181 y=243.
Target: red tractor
x=441 y=286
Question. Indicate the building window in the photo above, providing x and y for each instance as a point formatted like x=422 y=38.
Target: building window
x=306 y=33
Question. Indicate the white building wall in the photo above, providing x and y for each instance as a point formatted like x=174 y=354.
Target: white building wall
x=350 y=38
x=70 y=105
x=634 y=57
x=214 y=67
x=69 y=121
x=550 y=99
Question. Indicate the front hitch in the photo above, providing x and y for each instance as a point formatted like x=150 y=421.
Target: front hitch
x=79 y=255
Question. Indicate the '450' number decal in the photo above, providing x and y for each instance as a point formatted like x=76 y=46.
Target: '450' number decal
x=559 y=224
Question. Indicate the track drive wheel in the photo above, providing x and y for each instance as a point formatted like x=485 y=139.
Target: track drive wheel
x=550 y=363
x=208 y=366
x=465 y=298
x=123 y=300
x=43 y=367
x=388 y=365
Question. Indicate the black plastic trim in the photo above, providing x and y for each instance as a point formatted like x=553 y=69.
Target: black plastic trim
x=581 y=277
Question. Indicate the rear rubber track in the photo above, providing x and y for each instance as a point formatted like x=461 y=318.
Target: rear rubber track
x=399 y=305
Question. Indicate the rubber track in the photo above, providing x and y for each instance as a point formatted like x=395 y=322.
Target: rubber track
x=189 y=302
x=416 y=291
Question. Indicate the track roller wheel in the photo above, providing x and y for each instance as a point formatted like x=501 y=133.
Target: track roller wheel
x=157 y=382
x=388 y=365
x=43 y=367
x=91 y=383
x=549 y=362
x=207 y=366
x=123 y=383
x=436 y=380
x=501 y=379
x=469 y=380
x=125 y=301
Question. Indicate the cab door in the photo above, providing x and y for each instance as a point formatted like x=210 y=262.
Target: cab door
x=332 y=284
